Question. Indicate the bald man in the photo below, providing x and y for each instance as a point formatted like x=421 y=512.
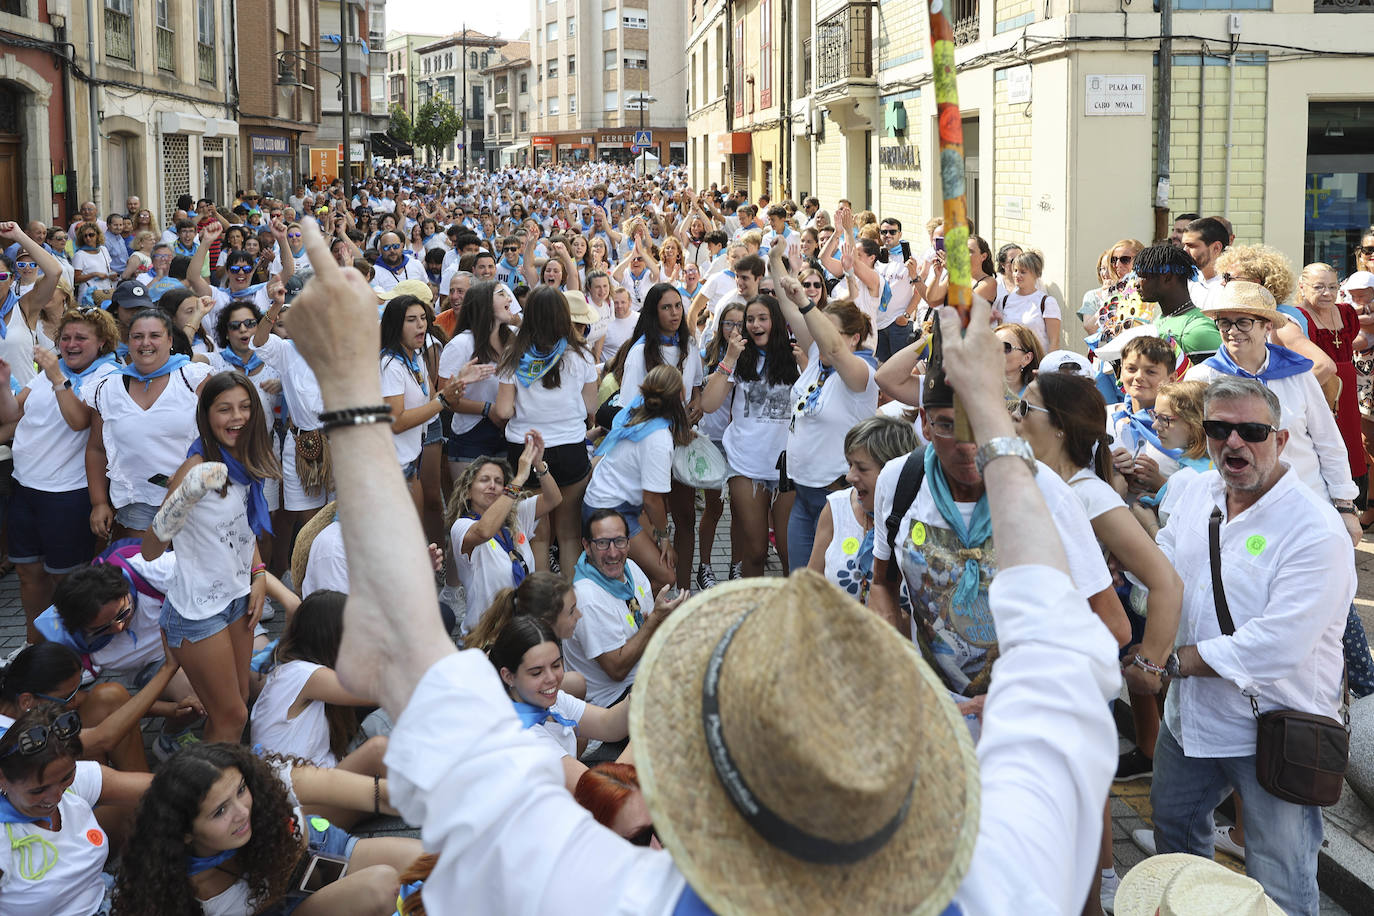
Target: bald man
x=89 y=214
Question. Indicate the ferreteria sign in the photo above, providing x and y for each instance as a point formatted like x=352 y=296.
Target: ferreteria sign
x=899 y=157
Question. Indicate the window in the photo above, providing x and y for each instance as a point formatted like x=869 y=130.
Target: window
x=572 y=27
x=166 y=39
x=553 y=104
x=505 y=124
x=205 y=41
x=486 y=59
x=739 y=67
x=608 y=19
x=572 y=104
x=572 y=65
x=551 y=31
x=524 y=83
x=552 y=67
x=611 y=101
x=119 y=32
x=524 y=121
x=765 y=54
x=635 y=20
x=636 y=60
x=610 y=60
x=472 y=60
x=448 y=60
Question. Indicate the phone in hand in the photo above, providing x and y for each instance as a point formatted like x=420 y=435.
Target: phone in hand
x=321 y=872
x=940 y=243
x=160 y=480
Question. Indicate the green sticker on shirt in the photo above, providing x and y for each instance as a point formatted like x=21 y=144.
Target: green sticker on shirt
x=1255 y=543
x=918 y=534
x=319 y=824
x=850 y=546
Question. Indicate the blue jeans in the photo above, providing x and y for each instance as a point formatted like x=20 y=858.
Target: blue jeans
x=891 y=339
x=1281 y=838
x=801 y=524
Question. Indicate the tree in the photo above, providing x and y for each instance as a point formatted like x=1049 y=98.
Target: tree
x=436 y=124
x=400 y=128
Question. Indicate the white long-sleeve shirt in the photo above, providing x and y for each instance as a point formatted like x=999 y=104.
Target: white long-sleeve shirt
x=511 y=839
x=1289 y=575
x=1315 y=449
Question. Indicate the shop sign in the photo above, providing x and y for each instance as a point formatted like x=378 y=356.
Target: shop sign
x=263 y=145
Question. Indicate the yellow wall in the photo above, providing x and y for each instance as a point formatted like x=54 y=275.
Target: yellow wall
x=1011 y=155
x=830 y=182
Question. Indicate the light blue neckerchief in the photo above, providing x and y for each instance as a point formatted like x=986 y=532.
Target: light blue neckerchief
x=233 y=359
x=624 y=589
x=174 y=362
x=966 y=589
x=1142 y=425
x=1281 y=363
x=534 y=365
x=531 y=715
x=623 y=429
x=79 y=378
x=1198 y=464
x=5 y=310
x=197 y=864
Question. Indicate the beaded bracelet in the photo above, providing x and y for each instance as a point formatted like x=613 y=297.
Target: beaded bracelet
x=512 y=491
x=1140 y=662
x=354 y=416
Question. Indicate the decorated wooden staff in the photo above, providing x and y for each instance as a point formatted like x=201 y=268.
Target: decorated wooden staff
x=960 y=294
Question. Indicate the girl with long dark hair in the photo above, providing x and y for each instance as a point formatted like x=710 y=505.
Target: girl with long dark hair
x=483 y=333
x=215 y=509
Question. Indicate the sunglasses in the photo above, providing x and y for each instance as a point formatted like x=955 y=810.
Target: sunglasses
x=511 y=248
x=4 y=275
x=619 y=543
x=33 y=740
x=241 y=269
x=249 y=323
x=1123 y=259
x=1367 y=250
x=25 y=265
x=123 y=615
x=888 y=231
x=643 y=837
x=391 y=247
x=1021 y=408
x=293 y=235
x=1007 y=348
x=60 y=702
x=812 y=284
x=1220 y=430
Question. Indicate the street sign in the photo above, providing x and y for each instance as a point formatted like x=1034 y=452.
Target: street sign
x=635 y=150
x=644 y=138
x=1115 y=94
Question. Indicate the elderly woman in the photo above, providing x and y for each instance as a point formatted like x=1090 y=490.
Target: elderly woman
x=1334 y=326
x=1267 y=266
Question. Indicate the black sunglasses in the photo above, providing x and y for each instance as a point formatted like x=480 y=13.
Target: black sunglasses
x=65 y=727
x=1007 y=347
x=120 y=617
x=1124 y=259
x=643 y=837
x=1220 y=430
x=888 y=231
x=249 y=323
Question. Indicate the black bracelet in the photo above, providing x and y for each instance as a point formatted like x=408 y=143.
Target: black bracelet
x=376 y=795
x=806 y=308
x=355 y=416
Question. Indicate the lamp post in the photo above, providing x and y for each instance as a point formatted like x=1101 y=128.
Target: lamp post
x=644 y=101
x=286 y=80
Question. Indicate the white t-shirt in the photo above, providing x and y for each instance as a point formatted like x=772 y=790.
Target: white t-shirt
x=48 y=454
x=559 y=413
x=384 y=278
x=397 y=379
x=16 y=347
x=141 y=642
x=487 y=568
x=931 y=558
x=1026 y=310
x=327 y=565
x=630 y=470
x=97 y=261
x=638 y=286
x=877 y=308
x=73 y=886
x=299 y=388
x=307 y=734
x=618 y=331
x=214 y=555
x=223 y=298
x=456 y=354
x=1096 y=495
x=719 y=287
x=556 y=734
x=635 y=370
x=606 y=624
x=759 y=416
x=820 y=438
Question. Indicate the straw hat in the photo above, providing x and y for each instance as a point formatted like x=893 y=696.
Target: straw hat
x=582 y=312
x=417 y=288
x=300 y=554
x=1179 y=884
x=1247 y=297
x=855 y=765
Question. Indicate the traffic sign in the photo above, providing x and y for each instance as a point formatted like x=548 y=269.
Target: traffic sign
x=635 y=150
x=644 y=138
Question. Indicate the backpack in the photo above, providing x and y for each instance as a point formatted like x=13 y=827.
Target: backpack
x=117 y=554
x=908 y=485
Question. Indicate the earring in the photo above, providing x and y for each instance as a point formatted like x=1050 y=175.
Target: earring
x=1060 y=434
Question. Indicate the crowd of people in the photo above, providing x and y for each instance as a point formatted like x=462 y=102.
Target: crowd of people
x=577 y=369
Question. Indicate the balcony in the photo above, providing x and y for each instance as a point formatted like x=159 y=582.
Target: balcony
x=806 y=66
x=119 y=36
x=205 y=63
x=1343 y=6
x=502 y=98
x=963 y=18
x=845 y=45
x=166 y=49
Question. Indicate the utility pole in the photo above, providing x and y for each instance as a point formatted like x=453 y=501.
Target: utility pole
x=463 y=103
x=343 y=112
x=1162 y=117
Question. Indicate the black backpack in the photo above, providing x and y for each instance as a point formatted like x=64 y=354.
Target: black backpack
x=908 y=485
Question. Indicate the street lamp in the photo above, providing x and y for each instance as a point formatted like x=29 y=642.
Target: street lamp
x=287 y=82
x=644 y=100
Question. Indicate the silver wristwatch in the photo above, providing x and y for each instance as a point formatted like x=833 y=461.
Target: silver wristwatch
x=1005 y=447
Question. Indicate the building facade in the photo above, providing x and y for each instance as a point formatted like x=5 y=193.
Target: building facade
x=451 y=68
x=37 y=167
x=277 y=125
x=403 y=68
x=593 y=66
x=711 y=141
x=507 y=131
x=360 y=25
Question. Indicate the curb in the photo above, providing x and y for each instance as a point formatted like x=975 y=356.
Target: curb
x=1345 y=866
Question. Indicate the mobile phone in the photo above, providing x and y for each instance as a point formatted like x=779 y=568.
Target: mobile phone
x=159 y=480
x=940 y=243
x=321 y=872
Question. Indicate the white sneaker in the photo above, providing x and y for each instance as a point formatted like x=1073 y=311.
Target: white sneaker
x=1145 y=839
x=1108 y=894
x=1224 y=843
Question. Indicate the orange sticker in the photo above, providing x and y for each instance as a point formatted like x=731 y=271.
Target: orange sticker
x=96 y=837
x=521 y=538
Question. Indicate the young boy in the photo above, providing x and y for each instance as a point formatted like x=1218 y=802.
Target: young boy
x=1146 y=364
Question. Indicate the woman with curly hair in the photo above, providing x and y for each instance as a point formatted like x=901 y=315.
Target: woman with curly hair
x=221 y=833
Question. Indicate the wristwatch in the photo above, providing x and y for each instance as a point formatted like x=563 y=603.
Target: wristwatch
x=1171 y=667
x=1005 y=447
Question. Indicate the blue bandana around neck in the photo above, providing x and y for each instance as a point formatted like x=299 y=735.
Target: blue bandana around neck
x=972 y=536
x=1200 y=465
x=534 y=364
x=867 y=356
x=405 y=258
x=623 y=429
x=506 y=542
x=10 y=814
x=624 y=589
x=1282 y=363
x=531 y=715
x=197 y=864
x=246 y=293
x=178 y=248
x=121 y=351
x=667 y=340
x=79 y=378
x=6 y=309
x=259 y=518
x=174 y=362
x=251 y=364
x=89 y=248
x=1142 y=424
x=413 y=364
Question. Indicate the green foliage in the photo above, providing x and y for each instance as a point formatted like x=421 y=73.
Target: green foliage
x=436 y=124
x=400 y=128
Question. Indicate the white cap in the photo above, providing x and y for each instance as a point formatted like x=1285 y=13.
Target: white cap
x=1111 y=350
x=1066 y=361
x=1360 y=279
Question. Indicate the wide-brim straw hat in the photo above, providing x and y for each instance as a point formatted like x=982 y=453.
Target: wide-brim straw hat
x=1245 y=296
x=823 y=717
x=300 y=554
x=417 y=288
x=1181 y=884
x=579 y=308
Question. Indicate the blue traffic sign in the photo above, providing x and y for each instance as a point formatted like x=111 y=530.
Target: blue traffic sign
x=644 y=138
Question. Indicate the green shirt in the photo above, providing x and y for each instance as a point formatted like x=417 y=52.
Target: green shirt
x=1193 y=330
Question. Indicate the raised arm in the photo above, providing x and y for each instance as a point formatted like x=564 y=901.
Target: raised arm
x=35 y=299
x=194 y=270
x=897 y=377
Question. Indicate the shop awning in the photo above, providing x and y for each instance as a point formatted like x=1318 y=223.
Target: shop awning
x=385 y=145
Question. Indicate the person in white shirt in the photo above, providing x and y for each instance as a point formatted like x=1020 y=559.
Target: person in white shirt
x=394 y=263
x=460 y=764
x=1288 y=576
x=1205 y=239
x=1027 y=304
x=780 y=234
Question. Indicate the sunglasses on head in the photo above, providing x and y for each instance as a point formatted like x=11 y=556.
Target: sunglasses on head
x=33 y=740
x=1220 y=430
x=249 y=323
x=241 y=269
x=115 y=621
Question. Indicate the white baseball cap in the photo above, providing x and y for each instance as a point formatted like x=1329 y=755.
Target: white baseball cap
x=1066 y=361
x=1360 y=279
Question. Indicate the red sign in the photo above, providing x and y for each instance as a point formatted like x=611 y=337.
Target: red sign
x=541 y=141
x=738 y=142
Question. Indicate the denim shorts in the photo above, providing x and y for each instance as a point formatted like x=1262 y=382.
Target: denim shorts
x=434 y=432
x=180 y=630
x=51 y=528
x=412 y=470
x=136 y=516
x=483 y=440
x=628 y=511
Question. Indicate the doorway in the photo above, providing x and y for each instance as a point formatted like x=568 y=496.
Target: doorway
x=1338 y=203
x=970 y=126
x=12 y=196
